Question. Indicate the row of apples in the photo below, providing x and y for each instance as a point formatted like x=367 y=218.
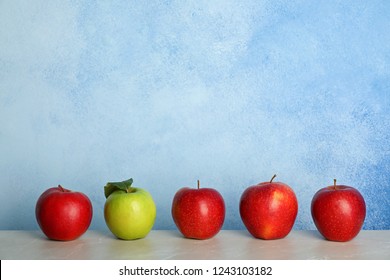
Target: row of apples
x=268 y=211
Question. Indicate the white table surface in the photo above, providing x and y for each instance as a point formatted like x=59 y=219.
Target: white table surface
x=170 y=244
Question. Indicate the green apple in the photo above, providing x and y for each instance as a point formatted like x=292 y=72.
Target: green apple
x=129 y=212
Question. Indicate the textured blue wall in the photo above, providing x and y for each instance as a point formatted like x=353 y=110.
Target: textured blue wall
x=168 y=92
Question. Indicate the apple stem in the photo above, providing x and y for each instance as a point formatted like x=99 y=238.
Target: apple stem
x=334 y=181
x=273 y=177
x=61 y=188
x=198 y=184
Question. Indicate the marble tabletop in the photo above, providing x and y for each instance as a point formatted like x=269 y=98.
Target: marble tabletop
x=171 y=245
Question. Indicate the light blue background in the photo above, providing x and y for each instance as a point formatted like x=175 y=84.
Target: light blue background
x=168 y=92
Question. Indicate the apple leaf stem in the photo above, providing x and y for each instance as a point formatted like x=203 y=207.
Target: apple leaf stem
x=273 y=177
x=62 y=189
x=111 y=187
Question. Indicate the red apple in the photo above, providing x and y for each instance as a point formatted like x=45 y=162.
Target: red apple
x=198 y=213
x=63 y=214
x=268 y=210
x=338 y=212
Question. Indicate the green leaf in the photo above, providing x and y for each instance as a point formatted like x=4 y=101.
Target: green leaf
x=111 y=187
